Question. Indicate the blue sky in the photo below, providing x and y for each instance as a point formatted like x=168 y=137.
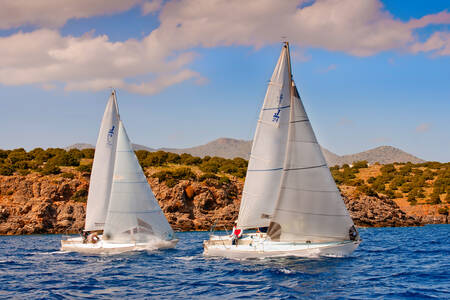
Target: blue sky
x=375 y=75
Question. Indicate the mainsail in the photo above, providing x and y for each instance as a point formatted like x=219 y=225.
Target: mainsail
x=133 y=212
x=103 y=167
x=267 y=155
x=309 y=207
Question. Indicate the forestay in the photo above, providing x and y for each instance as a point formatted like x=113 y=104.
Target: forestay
x=268 y=150
x=134 y=213
x=103 y=167
x=309 y=207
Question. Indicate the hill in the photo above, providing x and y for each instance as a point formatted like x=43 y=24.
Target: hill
x=230 y=148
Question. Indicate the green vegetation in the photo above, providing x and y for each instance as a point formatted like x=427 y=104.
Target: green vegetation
x=80 y=195
x=19 y=161
x=419 y=183
x=427 y=182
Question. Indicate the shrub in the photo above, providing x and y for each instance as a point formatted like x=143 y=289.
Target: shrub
x=173 y=158
x=75 y=153
x=6 y=170
x=194 y=160
x=157 y=158
x=443 y=211
x=371 y=180
x=334 y=168
x=171 y=182
x=88 y=153
x=360 y=164
x=4 y=153
x=65 y=159
x=175 y=175
x=389 y=168
x=205 y=176
x=23 y=165
x=18 y=155
x=50 y=168
x=162 y=175
x=85 y=168
x=435 y=198
x=365 y=189
x=184 y=173
x=68 y=175
x=406 y=188
x=224 y=180
x=210 y=166
x=23 y=172
x=80 y=195
x=42 y=157
x=406 y=169
x=141 y=155
x=390 y=194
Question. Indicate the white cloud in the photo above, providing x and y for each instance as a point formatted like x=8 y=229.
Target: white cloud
x=90 y=62
x=439 y=42
x=55 y=13
x=330 y=68
x=423 y=127
x=151 y=6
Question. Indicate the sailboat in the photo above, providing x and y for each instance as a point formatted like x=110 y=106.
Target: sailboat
x=122 y=213
x=290 y=204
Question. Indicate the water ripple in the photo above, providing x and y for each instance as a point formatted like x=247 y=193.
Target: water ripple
x=391 y=263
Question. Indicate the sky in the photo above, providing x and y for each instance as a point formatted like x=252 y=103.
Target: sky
x=370 y=73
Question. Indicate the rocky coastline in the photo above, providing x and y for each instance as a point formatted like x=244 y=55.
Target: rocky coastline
x=51 y=204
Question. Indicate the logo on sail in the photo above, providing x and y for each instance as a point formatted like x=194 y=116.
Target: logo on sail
x=109 y=137
x=276 y=116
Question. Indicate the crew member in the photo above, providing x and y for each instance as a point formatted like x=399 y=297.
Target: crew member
x=236 y=234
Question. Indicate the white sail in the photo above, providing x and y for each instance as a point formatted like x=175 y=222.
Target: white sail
x=309 y=207
x=102 y=168
x=268 y=150
x=133 y=213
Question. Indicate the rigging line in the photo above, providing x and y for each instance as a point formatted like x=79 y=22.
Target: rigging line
x=305 y=168
x=309 y=213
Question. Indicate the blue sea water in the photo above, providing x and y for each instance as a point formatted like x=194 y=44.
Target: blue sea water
x=391 y=263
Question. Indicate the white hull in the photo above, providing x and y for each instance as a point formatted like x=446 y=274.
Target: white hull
x=258 y=246
x=103 y=247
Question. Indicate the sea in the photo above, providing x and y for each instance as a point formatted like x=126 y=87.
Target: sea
x=391 y=263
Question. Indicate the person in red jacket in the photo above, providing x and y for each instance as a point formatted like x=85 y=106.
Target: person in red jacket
x=236 y=235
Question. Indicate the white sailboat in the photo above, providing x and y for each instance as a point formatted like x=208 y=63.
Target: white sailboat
x=120 y=200
x=288 y=189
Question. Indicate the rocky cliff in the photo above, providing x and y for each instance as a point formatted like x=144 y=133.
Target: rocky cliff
x=54 y=204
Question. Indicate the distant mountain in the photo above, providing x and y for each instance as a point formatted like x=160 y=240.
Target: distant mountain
x=382 y=154
x=222 y=147
x=81 y=146
x=230 y=148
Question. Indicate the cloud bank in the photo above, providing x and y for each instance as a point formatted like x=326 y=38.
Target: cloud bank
x=43 y=56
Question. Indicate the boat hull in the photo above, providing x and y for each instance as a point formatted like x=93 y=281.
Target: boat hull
x=255 y=246
x=103 y=247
